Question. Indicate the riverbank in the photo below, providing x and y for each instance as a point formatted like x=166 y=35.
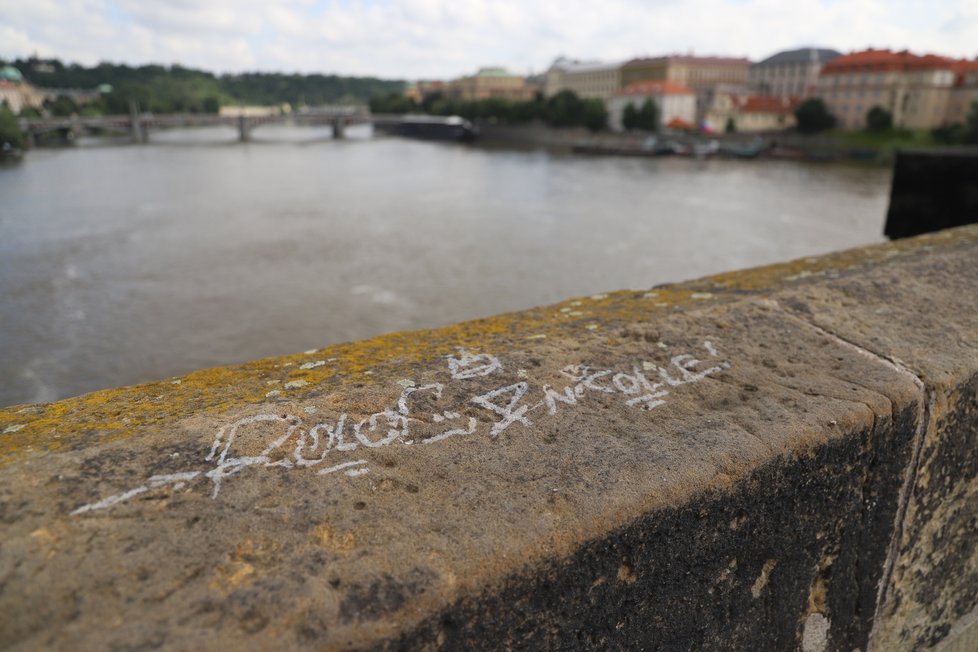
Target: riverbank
x=868 y=147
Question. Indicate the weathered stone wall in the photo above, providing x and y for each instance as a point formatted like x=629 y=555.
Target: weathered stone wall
x=770 y=459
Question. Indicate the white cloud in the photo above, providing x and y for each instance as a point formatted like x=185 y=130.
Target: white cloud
x=446 y=38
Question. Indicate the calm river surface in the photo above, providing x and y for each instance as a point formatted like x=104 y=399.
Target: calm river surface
x=122 y=264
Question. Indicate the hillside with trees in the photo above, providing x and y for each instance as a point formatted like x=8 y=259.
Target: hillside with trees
x=169 y=89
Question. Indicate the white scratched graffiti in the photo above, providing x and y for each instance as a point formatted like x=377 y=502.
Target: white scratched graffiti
x=284 y=441
x=467 y=365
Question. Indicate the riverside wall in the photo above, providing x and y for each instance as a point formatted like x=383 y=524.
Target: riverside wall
x=777 y=458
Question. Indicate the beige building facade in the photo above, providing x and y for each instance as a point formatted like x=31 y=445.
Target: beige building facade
x=964 y=92
x=695 y=72
x=676 y=103
x=421 y=89
x=17 y=93
x=752 y=113
x=490 y=83
x=246 y=111
x=587 y=79
x=702 y=74
x=915 y=89
x=11 y=95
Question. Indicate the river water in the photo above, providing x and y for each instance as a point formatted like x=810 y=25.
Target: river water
x=122 y=264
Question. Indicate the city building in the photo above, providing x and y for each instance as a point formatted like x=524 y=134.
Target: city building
x=11 y=96
x=16 y=93
x=964 y=92
x=587 y=79
x=915 y=89
x=702 y=74
x=422 y=89
x=751 y=113
x=792 y=73
x=490 y=83
x=676 y=103
x=694 y=72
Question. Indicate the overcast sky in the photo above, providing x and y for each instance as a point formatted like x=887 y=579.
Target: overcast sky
x=446 y=38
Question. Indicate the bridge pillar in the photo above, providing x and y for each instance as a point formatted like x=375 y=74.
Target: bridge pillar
x=244 y=129
x=339 y=128
x=138 y=132
x=76 y=128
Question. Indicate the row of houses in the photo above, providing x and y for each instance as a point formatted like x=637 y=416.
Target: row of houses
x=920 y=91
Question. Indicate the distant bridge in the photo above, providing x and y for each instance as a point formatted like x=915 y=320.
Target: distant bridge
x=138 y=125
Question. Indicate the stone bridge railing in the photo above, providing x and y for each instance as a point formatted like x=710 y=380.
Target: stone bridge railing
x=780 y=458
x=140 y=124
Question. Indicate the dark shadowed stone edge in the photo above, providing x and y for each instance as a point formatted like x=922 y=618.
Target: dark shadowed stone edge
x=686 y=578
x=942 y=537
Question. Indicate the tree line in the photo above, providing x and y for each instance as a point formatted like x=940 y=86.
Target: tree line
x=176 y=89
x=565 y=109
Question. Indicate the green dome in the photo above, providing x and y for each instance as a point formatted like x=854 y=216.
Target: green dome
x=11 y=74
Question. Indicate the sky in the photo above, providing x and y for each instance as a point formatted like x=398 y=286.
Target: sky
x=443 y=39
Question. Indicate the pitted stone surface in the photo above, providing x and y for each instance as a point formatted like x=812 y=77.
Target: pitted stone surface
x=715 y=471
x=926 y=318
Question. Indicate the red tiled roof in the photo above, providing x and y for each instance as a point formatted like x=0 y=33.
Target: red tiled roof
x=964 y=68
x=678 y=123
x=764 y=103
x=965 y=65
x=769 y=104
x=885 y=61
x=655 y=88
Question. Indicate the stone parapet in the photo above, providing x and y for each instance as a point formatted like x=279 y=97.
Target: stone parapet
x=769 y=459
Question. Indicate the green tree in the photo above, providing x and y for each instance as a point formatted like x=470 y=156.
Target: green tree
x=879 y=119
x=527 y=111
x=211 y=104
x=813 y=116
x=563 y=110
x=393 y=103
x=61 y=106
x=971 y=125
x=566 y=109
x=647 y=117
x=10 y=134
x=595 y=115
x=731 y=126
x=161 y=89
x=948 y=134
x=444 y=106
x=629 y=117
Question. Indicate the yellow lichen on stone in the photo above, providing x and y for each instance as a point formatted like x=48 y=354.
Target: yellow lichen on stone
x=115 y=414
